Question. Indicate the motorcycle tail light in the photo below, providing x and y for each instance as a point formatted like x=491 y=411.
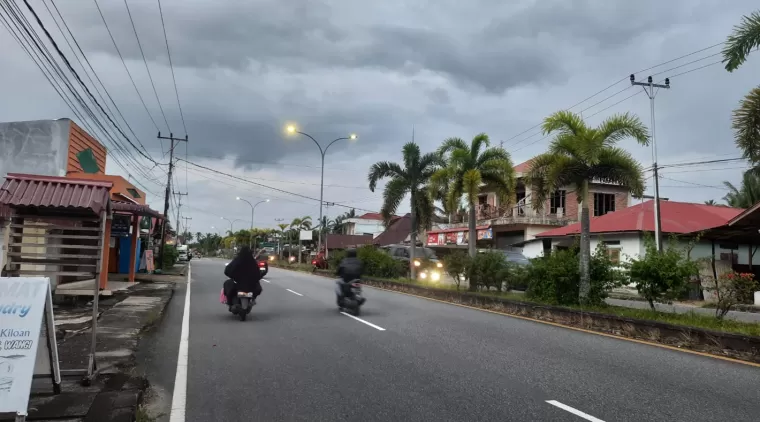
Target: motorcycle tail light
x=261 y=264
x=313 y=262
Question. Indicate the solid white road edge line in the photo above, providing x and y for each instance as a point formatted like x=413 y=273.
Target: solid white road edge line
x=364 y=322
x=574 y=411
x=179 y=397
x=295 y=293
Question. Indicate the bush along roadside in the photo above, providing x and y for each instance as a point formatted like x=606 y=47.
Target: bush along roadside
x=555 y=300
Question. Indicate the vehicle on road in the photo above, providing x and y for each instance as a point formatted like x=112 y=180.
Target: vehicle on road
x=352 y=301
x=183 y=253
x=428 y=266
x=264 y=266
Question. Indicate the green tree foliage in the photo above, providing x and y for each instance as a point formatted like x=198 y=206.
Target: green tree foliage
x=579 y=154
x=457 y=265
x=747 y=194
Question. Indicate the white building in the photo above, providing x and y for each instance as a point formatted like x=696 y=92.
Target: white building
x=623 y=232
x=369 y=223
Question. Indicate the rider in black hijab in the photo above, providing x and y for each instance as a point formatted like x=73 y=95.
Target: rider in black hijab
x=244 y=270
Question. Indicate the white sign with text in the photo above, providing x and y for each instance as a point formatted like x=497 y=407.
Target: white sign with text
x=22 y=305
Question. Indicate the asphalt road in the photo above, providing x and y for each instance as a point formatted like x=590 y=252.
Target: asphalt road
x=298 y=359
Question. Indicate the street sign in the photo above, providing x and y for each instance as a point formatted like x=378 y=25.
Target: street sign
x=22 y=305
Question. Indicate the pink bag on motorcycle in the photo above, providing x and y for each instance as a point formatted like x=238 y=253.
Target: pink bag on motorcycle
x=222 y=297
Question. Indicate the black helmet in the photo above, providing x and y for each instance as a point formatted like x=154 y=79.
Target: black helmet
x=351 y=253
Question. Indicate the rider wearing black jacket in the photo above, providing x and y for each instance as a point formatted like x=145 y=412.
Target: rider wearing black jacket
x=350 y=269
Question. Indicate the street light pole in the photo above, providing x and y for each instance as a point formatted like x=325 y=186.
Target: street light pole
x=253 y=210
x=322 y=153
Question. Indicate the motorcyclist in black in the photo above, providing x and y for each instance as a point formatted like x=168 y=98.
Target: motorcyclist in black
x=350 y=269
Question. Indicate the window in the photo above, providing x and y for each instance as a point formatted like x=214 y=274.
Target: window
x=614 y=254
x=133 y=192
x=557 y=200
x=603 y=203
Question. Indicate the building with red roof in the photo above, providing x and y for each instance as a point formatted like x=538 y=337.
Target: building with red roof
x=501 y=225
x=623 y=231
x=370 y=223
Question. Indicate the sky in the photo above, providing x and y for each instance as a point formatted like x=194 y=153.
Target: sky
x=384 y=71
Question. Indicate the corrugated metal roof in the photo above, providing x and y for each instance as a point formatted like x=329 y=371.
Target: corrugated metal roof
x=396 y=233
x=28 y=190
x=137 y=209
x=677 y=217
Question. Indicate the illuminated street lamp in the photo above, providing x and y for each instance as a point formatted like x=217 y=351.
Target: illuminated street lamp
x=291 y=129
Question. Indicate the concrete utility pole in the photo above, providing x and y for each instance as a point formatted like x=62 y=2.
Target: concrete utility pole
x=172 y=140
x=649 y=88
x=179 y=205
x=187 y=225
x=327 y=205
x=279 y=239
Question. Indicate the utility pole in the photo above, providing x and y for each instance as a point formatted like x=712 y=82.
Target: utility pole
x=187 y=225
x=324 y=229
x=649 y=88
x=172 y=140
x=179 y=205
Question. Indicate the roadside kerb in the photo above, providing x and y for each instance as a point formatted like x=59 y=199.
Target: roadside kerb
x=746 y=348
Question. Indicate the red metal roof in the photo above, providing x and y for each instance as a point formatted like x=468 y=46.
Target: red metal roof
x=523 y=167
x=396 y=233
x=136 y=209
x=343 y=241
x=371 y=216
x=677 y=217
x=28 y=190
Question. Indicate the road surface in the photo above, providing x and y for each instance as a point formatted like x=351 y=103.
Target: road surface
x=410 y=359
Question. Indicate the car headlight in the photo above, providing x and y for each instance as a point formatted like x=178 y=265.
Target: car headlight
x=435 y=276
x=439 y=265
x=417 y=263
x=423 y=275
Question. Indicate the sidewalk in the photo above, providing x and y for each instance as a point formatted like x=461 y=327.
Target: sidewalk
x=116 y=392
x=683 y=308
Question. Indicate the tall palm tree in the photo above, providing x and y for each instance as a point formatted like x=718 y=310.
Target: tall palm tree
x=711 y=202
x=411 y=179
x=474 y=168
x=299 y=224
x=748 y=193
x=282 y=227
x=746 y=118
x=579 y=154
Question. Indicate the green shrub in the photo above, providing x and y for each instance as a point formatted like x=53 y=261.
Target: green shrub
x=457 y=265
x=334 y=259
x=377 y=263
x=488 y=270
x=517 y=276
x=556 y=278
x=664 y=275
x=170 y=257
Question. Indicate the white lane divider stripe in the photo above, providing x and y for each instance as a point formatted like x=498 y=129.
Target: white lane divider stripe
x=179 y=397
x=295 y=293
x=364 y=322
x=265 y=280
x=574 y=411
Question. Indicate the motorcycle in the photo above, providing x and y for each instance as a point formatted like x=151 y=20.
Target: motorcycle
x=354 y=302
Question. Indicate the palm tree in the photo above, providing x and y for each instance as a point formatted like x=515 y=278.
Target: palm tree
x=297 y=225
x=746 y=118
x=412 y=179
x=282 y=227
x=579 y=154
x=474 y=168
x=748 y=193
x=711 y=202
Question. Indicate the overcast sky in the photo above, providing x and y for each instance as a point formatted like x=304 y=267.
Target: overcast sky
x=245 y=69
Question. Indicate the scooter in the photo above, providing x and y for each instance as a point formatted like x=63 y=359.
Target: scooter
x=354 y=302
x=243 y=305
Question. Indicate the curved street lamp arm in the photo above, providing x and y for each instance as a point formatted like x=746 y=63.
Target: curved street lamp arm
x=339 y=139
x=322 y=151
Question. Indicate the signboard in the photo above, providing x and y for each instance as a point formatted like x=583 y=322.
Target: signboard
x=22 y=305
x=149 y=266
x=457 y=237
x=120 y=226
x=306 y=235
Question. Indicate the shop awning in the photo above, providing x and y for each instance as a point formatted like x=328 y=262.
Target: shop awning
x=457 y=229
x=457 y=236
x=55 y=193
x=121 y=207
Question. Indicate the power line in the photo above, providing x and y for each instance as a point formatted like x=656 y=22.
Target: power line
x=147 y=68
x=269 y=187
x=171 y=66
x=79 y=79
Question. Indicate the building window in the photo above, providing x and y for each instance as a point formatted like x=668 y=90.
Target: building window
x=133 y=192
x=603 y=203
x=614 y=254
x=556 y=201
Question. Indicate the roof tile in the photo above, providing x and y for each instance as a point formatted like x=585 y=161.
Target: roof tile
x=27 y=190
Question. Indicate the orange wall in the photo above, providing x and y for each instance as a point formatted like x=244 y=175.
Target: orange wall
x=120 y=185
x=79 y=140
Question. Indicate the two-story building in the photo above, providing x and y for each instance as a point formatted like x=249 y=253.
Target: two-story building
x=502 y=225
x=370 y=223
